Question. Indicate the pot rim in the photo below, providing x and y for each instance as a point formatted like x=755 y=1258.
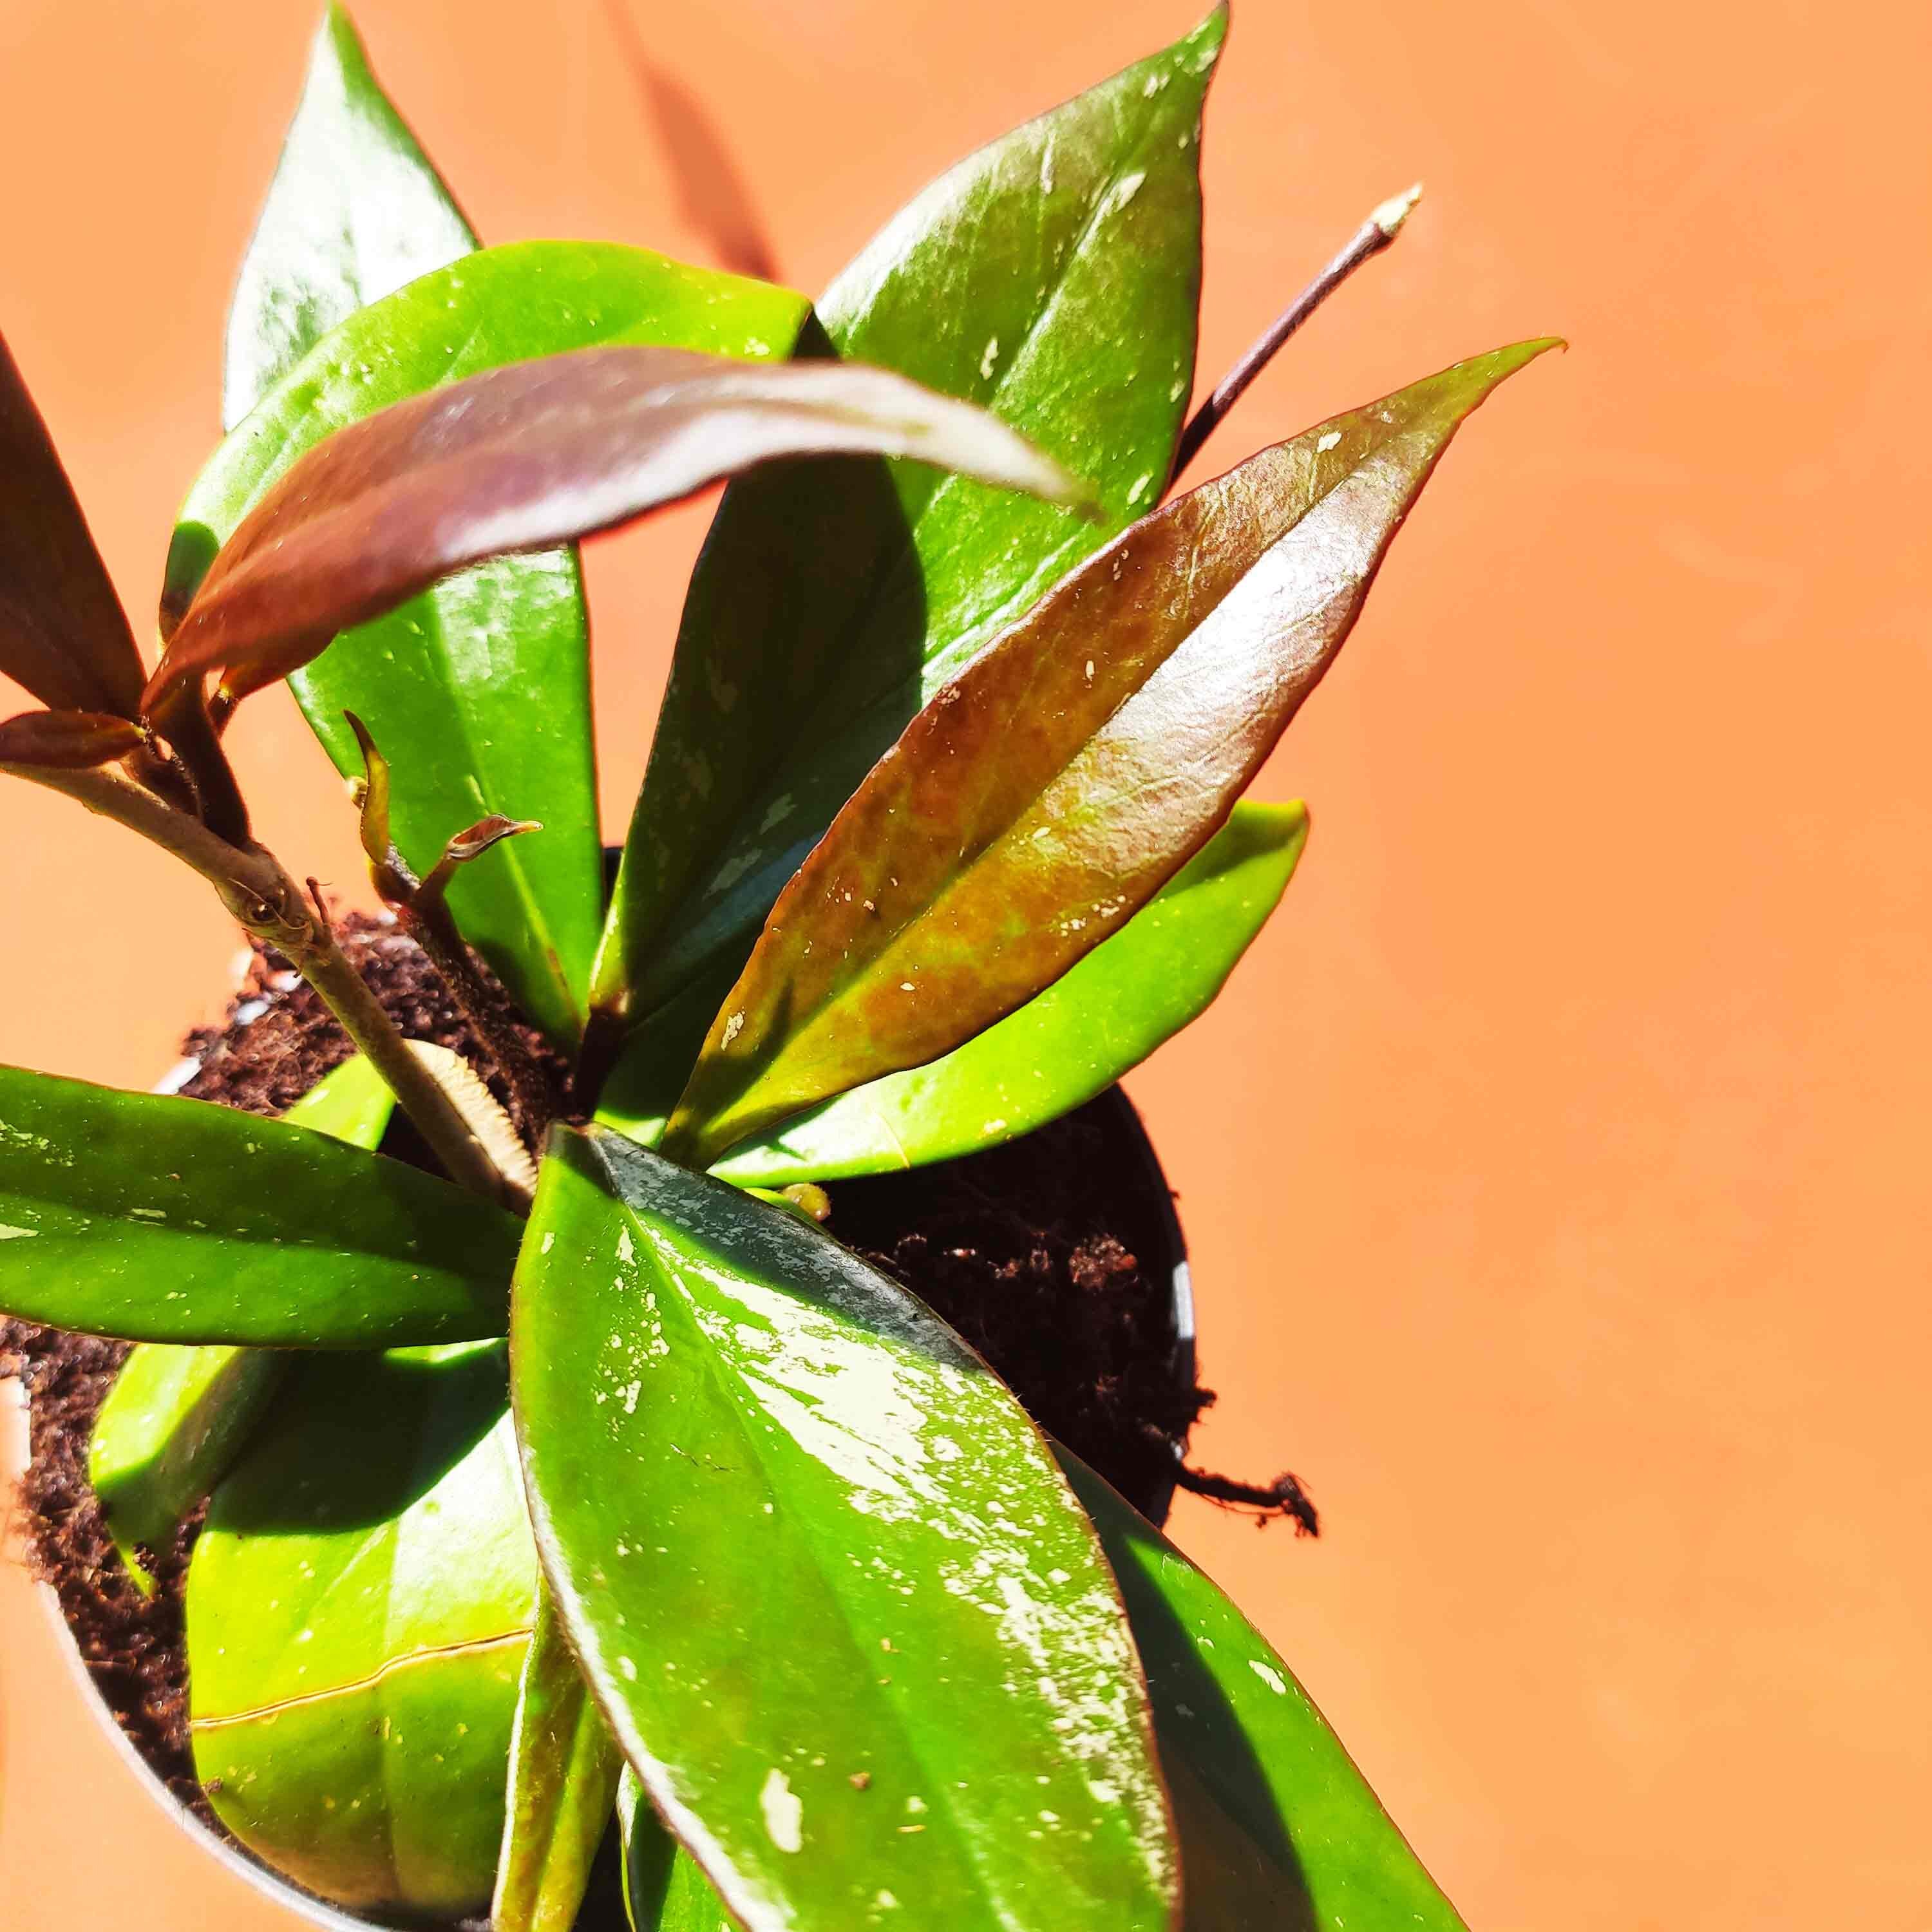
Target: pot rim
x=15 y=1453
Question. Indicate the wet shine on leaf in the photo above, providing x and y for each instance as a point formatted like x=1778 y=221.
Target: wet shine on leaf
x=1068 y=772
x=170 y=1220
x=1278 y=1829
x=1052 y=277
x=852 y=1630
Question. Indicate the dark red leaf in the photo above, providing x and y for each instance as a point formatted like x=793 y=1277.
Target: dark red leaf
x=63 y=634
x=536 y=454
x=69 y=741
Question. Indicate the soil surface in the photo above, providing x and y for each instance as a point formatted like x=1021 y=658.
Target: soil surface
x=1033 y=1251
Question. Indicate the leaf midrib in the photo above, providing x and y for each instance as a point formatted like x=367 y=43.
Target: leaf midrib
x=723 y=1379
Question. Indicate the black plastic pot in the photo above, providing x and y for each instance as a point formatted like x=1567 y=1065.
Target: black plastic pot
x=1171 y=1262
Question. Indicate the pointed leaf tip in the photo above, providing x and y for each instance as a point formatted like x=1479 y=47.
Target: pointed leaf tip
x=1059 y=782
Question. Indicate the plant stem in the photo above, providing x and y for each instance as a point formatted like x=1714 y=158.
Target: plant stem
x=271 y=906
x=1368 y=241
x=189 y=729
x=427 y=920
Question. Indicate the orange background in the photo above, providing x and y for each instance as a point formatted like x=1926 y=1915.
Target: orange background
x=1554 y=1166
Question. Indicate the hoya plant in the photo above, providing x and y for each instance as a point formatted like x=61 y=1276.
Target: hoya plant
x=607 y=1481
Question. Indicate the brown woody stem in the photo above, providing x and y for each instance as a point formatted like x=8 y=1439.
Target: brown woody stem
x=270 y=905
x=1368 y=241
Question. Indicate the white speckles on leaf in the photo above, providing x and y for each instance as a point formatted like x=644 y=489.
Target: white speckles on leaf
x=1269 y=1675
x=9 y=1233
x=988 y=361
x=1326 y=441
x=1117 y=196
x=784 y=1811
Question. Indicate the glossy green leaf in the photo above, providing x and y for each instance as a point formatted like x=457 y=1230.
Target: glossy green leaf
x=1069 y=771
x=514 y=459
x=358 y=1606
x=354 y=212
x=177 y=1416
x=1053 y=277
x=1278 y=1828
x=63 y=634
x=171 y=1220
x=563 y=1781
x=1100 y=1019
x=173 y=1422
x=849 y=1626
x=665 y=1889
x=352 y=1104
x=478 y=690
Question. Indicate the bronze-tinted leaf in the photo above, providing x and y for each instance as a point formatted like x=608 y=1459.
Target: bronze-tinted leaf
x=536 y=454
x=1065 y=775
x=63 y=634
x=71 y=741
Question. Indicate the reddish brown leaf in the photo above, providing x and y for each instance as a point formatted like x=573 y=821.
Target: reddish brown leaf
x=71 y=741
x=1067 y=773
x=536 y=454
x=63 y=634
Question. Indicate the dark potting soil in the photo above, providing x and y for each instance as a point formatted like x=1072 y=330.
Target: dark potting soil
x=1034 y=1251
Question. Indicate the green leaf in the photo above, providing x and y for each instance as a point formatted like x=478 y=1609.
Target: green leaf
x=846 y=1621
x=352 y=1104
x=174 y=1421
x=1102 y=1018
x=170 y=1220
x=665 y=1889
x=176 y=1418
x=355 y=210
x=358 y=1607
x=1053 y=277
x=563 y=1781
x=514 y=459
x=478 y=690
x=1067 y=773
x=1278 y=1828
x=63 y=634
